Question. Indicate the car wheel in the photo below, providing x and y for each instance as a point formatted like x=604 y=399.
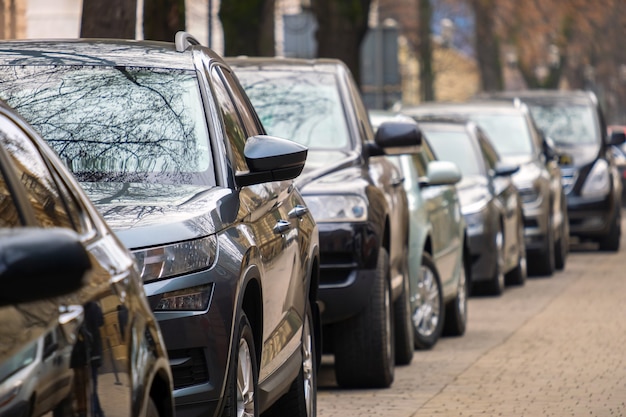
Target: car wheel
x=301 y=399
x=456 y=310
x=364 y=344
x=495 y=286
x=561 y=249
x=517 y=276
x=403 y=327
x=151 y=408
x=428 y=317
x=241 y=391
x=610 y=243
x=544 y=261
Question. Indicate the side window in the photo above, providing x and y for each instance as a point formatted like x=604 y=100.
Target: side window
x=243 y=105
x=42 y=191
x=9 y=215
x=233 y=128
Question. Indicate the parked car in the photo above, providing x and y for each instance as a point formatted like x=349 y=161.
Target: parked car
x=65 y=347
x=619 y=155
x=490 y=202
x=357 y=199
x=574 y=121
x=515 y=137
x=438 y=246
x=167 y=145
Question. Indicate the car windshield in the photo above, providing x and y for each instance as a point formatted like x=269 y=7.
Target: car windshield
x=116 y=124
x=509 y=133
x=455 y=147
x=567 y=124
x=302 y=106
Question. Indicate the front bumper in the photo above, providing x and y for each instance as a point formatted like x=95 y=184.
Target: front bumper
x=536 y=225
x=591 y=217
x=348 y=255
x=483 y=256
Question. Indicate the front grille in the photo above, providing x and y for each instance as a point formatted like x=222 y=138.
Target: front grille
x=189 y=367
x=334 y=276
x=530 y=223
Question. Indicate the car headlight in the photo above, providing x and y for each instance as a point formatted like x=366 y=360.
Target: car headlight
x=10 y=394
x=474 y=216
x=337 y=208
x=176 y=259
x=598 y=182
x=188 y=299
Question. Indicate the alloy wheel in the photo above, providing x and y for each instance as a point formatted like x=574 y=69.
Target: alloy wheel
x=426 y=316
x=245 y=381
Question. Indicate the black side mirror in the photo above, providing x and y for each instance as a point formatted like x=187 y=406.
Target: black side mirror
x=40 y=263
x=617 y=138
x=505 y=170
x=397 y=138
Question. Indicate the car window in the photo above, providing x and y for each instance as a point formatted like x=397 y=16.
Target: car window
x=43 y=193
x=567 y=124
x=160 y=136
x=509 y=133
x=457 y=147
x=234 y=130
x=302 y=106
x=242 y=104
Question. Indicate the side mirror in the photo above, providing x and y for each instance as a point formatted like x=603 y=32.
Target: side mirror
x=396 y=138
x=505 y=170
x=442 y=173
x=617 y=138
x=40 y=263
x=272 y=159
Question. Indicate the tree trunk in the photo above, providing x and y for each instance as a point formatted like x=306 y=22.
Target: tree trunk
x=111 y=19
x=487 y=45
x=248 y=27
x=342 y=25
x=425 y=50
x=162 y=19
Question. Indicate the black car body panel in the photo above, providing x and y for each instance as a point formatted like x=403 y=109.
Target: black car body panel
x=192 y=185
x=91 y=346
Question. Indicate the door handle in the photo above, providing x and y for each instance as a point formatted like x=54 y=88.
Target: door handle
x=298 y=211
x=281 y=227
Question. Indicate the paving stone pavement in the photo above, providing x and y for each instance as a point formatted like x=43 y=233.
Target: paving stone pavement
x=554 y=347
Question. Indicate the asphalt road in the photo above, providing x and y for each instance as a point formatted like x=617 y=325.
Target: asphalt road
x=554 y=347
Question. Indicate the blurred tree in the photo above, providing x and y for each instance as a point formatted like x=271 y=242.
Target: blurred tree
x=487 y=45
x=111 y=19
x=342 y=25
x=162 y=19
x=248 y=27
x=425 y=49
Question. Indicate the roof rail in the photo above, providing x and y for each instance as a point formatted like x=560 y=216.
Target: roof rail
x=183 y=40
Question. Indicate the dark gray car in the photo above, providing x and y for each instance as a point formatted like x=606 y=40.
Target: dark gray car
x=515 y=137
x=490 y=203
x=77 y=336
x=167 y=145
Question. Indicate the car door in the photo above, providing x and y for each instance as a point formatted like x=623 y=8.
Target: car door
x=75 y=371
x=273 y=224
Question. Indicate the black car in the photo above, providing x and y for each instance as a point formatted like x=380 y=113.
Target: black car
x=77 y=336
x=358 y=201
x=490 y=202
x=575 y=123
x=517 y=140
x=165 y=142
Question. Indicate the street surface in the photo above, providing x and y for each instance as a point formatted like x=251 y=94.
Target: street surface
x=554 y=347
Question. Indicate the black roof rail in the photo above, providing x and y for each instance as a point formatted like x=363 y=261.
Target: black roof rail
x=184 y=40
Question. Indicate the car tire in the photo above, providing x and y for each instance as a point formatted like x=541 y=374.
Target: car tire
x=561 y=249
x=428 y=318
x=544 y=262
x=610 y=243
x=495 y=286
x=518 y=275
x=456 y=310
x=403 y=327
x=243 y=376
x=151 y=408
x=364 y=344
x=64 y=408
x=301 y=399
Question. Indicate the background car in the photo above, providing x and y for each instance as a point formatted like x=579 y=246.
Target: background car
x=490 y=203
x=574 y=121
x=619 y=155
x=438 y=246
x=512 y=132
x=64 y=280
x=167 y=145
x=357 y=200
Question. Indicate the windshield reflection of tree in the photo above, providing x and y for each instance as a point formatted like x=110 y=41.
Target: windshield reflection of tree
x=303 y=107
x=115 y=124
x=566 y=125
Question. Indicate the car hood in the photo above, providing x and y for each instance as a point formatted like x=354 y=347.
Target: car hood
x=155 y=214
x=578 y=155
x=529 y=169
x=330 y=172
x=472 y=190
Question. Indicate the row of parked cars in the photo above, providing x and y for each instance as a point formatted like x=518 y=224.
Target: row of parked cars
x=268 y=223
